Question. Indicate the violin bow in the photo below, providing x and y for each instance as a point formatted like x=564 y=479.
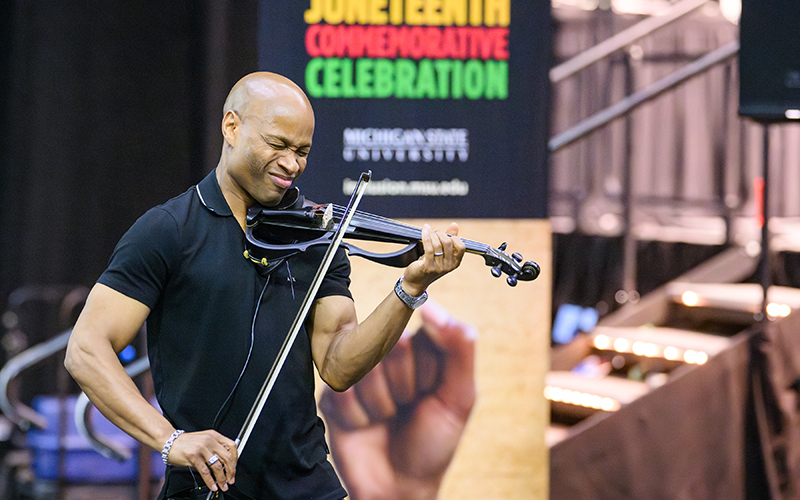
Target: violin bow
x=305 y=307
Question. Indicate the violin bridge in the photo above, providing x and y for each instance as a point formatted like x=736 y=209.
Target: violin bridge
x=327 y=217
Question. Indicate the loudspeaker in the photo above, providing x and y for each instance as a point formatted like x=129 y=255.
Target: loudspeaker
x=769 y=60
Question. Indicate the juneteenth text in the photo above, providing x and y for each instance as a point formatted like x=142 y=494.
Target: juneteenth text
x=411 y=12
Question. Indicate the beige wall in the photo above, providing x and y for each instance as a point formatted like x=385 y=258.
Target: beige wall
x=503 y=453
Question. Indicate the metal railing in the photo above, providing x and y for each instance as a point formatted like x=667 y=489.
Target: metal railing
x=630 y=102
x=623 y=39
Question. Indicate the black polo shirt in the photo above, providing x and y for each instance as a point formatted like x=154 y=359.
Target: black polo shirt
x=216 y=324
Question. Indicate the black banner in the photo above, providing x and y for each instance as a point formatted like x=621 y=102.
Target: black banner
x=446 y=101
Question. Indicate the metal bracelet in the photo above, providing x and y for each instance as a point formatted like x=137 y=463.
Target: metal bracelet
x=168 y=445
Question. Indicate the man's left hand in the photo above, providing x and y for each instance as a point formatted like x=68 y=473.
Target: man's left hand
x=443 y=253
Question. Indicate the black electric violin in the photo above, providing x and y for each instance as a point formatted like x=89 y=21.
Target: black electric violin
x=295 y=225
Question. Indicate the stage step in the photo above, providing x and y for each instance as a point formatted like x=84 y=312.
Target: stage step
x=612 y=366
x=735 y=297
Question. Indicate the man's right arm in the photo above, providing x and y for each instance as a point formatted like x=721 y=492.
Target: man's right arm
x=108 y=323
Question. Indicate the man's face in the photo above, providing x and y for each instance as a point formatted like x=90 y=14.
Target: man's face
x=270 y=150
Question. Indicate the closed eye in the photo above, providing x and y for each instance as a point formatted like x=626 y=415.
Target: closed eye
x=275 y=144
x=278 y=144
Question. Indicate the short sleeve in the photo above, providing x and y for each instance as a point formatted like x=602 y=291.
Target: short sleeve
x=337 y=279
x=143 y=258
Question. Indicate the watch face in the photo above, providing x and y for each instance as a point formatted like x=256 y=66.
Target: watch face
x=409 y=300
x=415 y=302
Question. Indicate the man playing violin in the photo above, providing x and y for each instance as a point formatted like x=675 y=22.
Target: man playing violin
x=215 y=320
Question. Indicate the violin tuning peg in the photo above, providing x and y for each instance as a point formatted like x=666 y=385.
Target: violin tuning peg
x=502 y=247
x=511 y=280
x=496 y=272
x=516 y=256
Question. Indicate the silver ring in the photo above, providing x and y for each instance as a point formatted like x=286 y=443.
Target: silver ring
x=213 y=459
x=438 y=254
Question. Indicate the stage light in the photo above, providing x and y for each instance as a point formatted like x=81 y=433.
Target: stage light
x=621 y=345
x=792 y=114
x=602 y=342
x=579 y=398
x=671 y=353
x=609 y=405
x=695 y=357
x=646 y=349
x=731 y=10
x=655 y=348
x=776 y=310
x=690 y=298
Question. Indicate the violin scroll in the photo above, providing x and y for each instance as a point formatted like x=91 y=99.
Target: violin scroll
x=512 y=266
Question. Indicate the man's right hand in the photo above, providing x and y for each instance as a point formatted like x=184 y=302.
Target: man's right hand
x=109 y=322
x=197 y=449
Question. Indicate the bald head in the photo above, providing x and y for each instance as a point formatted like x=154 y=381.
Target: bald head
x=264 y=93
x=267 y=129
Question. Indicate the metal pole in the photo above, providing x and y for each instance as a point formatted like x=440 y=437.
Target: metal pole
x=764 y=259
x=630 y=243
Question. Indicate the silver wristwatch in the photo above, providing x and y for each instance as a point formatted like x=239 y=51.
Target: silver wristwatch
x=409 y=300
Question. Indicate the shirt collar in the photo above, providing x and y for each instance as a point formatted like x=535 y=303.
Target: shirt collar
x=210 y=195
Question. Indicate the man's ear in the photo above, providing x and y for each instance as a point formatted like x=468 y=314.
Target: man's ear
x=229 y=127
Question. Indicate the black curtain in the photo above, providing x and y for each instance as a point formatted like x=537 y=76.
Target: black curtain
x=109 y=108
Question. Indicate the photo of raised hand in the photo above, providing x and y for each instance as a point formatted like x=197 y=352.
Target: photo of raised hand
x=394 y=433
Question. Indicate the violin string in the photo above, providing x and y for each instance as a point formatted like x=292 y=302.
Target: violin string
x=411 y=231
x=339 y=210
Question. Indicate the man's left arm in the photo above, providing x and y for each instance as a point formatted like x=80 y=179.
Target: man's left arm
x=343 y=349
